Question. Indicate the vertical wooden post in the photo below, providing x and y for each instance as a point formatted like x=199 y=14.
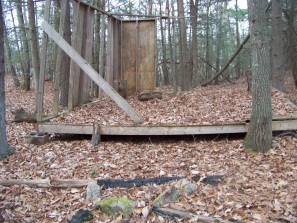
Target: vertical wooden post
x=136 y=55
x=110 y=49
x=73 y=67
x=96 y=138
x=59 y=61
x=42 y=65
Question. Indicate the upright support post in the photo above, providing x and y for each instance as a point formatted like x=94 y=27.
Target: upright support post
x=59 y=60
x=42 y=65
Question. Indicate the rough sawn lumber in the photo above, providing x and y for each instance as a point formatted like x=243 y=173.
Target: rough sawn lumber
x=138 y=182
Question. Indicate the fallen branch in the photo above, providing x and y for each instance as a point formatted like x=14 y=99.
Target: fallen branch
x=138 y=182
x=235 y=54
x=207 y=63
x=229 y=62
x=46 y=183
x=181 y=214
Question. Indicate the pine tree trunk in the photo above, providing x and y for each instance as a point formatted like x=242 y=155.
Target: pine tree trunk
x=26 y=56
x=219 y=40
x=16 y=82
x=185 y=85
x=277 y=46
x=292 y=38
x=171 y=42
x=238 y=65
x=19 y=61
x=164 y=62
x=34 y=47
x=194 y=52
x=4 y=147
x=207 y=50
x=259 y=135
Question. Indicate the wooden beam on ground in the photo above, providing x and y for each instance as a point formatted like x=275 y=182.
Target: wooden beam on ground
x=284 y=125
x=86 y=67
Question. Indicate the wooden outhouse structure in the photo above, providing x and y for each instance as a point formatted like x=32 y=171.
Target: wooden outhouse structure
x=132 y=54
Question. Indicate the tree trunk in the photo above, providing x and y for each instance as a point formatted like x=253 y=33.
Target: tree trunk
x=238 y=65
x=164 y=61
x=185 y=85
x=16 y=82
x=292 y=38
x=219 y=39
x=277 y=46
x=34 y=47
x=24 y=40
x=194 y=52
x=259 y=135
x=172 y=42
x=5 y=149
x=19 y=60
x=150 y=7
x=207 y=52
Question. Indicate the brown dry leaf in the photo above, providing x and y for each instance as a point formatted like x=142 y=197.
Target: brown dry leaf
x=254 y=183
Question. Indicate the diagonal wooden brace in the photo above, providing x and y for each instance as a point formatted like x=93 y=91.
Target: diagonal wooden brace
x=87 y=68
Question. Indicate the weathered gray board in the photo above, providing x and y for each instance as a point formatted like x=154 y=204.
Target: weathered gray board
x=283 y=125
x=82 y=42
x=87 y=68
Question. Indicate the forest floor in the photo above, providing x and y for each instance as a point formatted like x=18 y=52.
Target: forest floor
x=256 y=187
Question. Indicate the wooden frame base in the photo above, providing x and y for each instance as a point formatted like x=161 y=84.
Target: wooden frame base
x=279 y=125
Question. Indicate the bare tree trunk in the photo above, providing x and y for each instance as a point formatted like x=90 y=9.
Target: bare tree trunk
x=291 y=17
x=219 y=39
x=150 y=7
x=66 y=60
x=259 y=135
x=164 y=62
x=238 y=65
x=19 y=62
x=207 y=53
x=185 y=85
x=194 y=52
x=172 y=50
x=34 y=47
x=26 y=56
x=9 y=62
x=277 y=46
x=5 y=149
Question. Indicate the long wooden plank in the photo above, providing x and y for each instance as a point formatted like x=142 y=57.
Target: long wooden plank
x=86 y=67
x=161 y=130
